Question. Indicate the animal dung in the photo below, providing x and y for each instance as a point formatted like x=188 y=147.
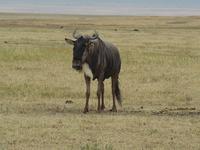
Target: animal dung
x=136 y=30
x=68 y=102
x=68 y=105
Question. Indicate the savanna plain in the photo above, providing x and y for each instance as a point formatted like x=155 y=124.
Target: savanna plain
x=159 y=80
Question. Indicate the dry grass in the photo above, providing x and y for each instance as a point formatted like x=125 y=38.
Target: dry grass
x=159 y=81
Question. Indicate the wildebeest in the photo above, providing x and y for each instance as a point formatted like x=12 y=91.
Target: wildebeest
x=98 y=60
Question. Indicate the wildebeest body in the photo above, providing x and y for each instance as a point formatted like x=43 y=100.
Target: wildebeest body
x=99 y=60
x=104 y=60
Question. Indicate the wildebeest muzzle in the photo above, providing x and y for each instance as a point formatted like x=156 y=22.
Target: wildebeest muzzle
x=77 y=64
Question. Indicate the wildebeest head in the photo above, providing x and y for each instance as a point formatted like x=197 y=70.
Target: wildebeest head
x=79 y=43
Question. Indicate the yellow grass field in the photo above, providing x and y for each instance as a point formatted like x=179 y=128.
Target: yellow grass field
x=160 y=83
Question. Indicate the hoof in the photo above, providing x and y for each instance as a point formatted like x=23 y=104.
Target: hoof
x=113 y=109
x=102 y=107
x=99 y=110
x=85 y=110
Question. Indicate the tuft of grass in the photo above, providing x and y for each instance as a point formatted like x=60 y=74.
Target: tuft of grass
x=96 y=147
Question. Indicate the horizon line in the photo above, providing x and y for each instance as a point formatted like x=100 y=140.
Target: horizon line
x=135 y=12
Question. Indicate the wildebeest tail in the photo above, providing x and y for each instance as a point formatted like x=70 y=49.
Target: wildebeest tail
x=118 y=93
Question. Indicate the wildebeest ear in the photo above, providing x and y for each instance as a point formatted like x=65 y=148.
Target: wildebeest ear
x=69 y=41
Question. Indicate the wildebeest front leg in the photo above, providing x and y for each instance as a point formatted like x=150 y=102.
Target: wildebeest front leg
x=102 y=97
x=87 y=94
x=114 y=81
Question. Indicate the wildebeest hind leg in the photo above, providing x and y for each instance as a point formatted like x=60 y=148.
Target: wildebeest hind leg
x=87 y=94
x=114 y=80
x=99 y=94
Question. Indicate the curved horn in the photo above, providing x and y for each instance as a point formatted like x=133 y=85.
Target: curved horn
x=95 y=35
x=76 y=36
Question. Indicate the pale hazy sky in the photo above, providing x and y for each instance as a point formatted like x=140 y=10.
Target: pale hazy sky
x=103 y=7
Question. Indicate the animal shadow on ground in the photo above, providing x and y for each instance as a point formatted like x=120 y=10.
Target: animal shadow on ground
x=69 y=108
x=179 y=111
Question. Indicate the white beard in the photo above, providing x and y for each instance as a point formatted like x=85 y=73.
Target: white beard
x=87 y=70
